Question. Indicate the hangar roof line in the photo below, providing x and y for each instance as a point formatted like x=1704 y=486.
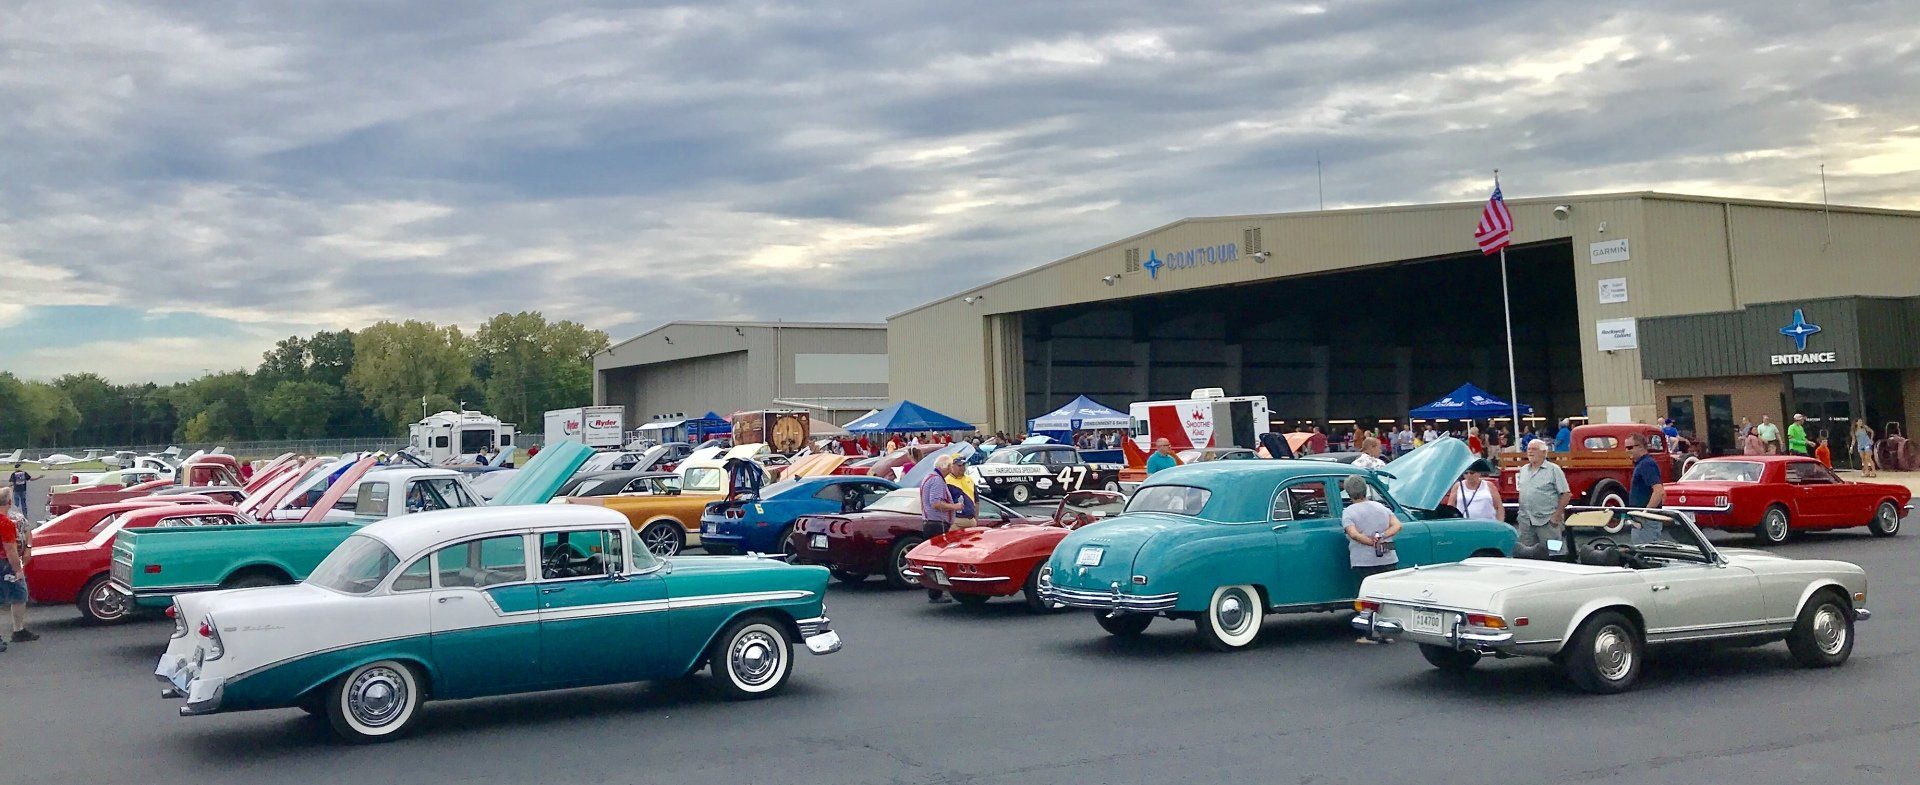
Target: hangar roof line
x=1405 y=208
x=751 y=325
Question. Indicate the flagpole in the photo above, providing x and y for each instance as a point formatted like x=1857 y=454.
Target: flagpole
x=1506 y=304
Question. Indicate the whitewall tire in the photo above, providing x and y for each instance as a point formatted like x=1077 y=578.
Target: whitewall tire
x=375 y=702
x=1232 y=619
x=751 y=659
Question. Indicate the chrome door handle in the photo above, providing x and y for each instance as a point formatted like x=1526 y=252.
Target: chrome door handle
x=1659 y=587
x=1279 y=526
x=445 y=600
x=553 y=590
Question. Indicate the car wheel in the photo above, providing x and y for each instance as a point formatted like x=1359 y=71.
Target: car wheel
x=664 y=538
x=966 y=598
x=1019 y=493
x=100 y=604
x=751 y=658
x=1449 y=660
x=1125 y=625
x=1232 y=619
x=718 y=550
x=1605 y=654
x=897 y=563
x=1607 y=494
x=1112 y=486
x=375 y=702
x=787 y=549
x=844 y=576
x=1031 y=593
x=1774 y=527
x=1823 y=635
x=1886 y=520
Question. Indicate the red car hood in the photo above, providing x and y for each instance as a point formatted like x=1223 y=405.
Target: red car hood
x=979 y=544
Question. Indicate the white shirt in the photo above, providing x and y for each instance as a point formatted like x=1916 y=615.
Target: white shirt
x=1481 y=504
x=1366 y=461
x=1430 y=436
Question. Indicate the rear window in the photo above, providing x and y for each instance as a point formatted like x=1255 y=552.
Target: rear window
x=1175 y=499
x=904 y=500
x=1723 y=471
x=708 y=479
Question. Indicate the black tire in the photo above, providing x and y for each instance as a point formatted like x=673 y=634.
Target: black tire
x=1605 y=655
x=1125 y=625
x=255 y=580
x=974 y=600
x=1232 y=619
x=1019 y=493
x=897 y=561
x=751 y=658
x=787 y=549
x=1111 y=486
x=718 y=550
x=1775 y=527
x=1823 y=635
x=1031 y=592
x=1449 y=660
x=100 y=604
x=1886 y=520
x=1607 y=493
x=315 y=703
x=664 y=538
x=844 y=576
x=376 y=702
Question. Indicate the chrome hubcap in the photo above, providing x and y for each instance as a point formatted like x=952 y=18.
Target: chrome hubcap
x=1829 y=630
x=1232 y=612
x=754 y=658
x=1776 y=525
x=107 y=603
x=661 y=541
x=1613 y=653
x=1889 y=520
x=377 y=697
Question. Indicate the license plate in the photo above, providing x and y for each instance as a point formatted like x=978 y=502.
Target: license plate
x=939 y=576
x=819 y=542
x=1089 y=557
x=1429 y=621
x=711 y=528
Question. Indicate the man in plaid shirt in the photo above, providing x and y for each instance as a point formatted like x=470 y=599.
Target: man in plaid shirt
x=936 y=510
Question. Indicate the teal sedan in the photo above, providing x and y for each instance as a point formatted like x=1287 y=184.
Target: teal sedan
x=1226 y=543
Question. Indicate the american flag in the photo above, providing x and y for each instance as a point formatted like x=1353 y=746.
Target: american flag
x=1495 y=224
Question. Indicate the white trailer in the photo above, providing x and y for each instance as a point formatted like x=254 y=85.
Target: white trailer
x=1208 y=419
x=451 y=436
x=599 y=427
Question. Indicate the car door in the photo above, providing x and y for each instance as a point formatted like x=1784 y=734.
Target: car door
x=1813 y=494
x=484 y=618
x=1067 y=469
x=1310 y=546
x=1691 y=599
x=1839 y=503
x=600 y=623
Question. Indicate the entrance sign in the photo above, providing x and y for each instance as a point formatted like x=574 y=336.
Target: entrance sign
x=1616 y=334
x=1613 y=290
x=1608 y=251
x=1799 y=331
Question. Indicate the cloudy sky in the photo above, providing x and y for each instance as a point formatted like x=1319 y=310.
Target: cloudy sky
x=182 y=183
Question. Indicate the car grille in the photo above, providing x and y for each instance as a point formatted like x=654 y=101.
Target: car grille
x=1109 y=600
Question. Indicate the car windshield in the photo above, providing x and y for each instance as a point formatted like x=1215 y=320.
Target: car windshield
x=778 y=488
x=1176 y=499
x=1723 y=471
x=1098 y=504
x=1654 y=536
x=706 y=478
x=1003 y=456
x=904 y=500
x=104 y=523
x=355 y=567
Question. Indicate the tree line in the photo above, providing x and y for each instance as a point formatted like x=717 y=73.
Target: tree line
x=333 y=384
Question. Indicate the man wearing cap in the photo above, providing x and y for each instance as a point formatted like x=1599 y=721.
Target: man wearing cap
x=1797 y=435
x=936 y=509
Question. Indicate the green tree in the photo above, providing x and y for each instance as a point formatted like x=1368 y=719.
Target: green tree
x=152 y=413
x=219 y=404
x=297 y=409
x=104 y=417
x=396 y=365
x=51 y=416
x=529 y=365
x=15 y=422
x=213 y=423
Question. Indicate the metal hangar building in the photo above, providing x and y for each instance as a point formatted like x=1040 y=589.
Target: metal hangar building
x=684 y=369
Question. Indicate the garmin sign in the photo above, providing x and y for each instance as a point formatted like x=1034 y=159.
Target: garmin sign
x=1191 y=257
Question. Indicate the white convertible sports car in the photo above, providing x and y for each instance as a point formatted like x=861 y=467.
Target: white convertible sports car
x=1631 y=579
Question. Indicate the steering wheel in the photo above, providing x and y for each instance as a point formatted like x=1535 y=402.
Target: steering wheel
x=1602 y=542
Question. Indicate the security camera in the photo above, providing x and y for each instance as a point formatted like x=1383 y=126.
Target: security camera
x=971 y=299
x=1110 y=279
x=1261 y=257
x=1561 y=211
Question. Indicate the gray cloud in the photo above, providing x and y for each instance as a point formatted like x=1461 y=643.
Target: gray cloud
x=327 y=165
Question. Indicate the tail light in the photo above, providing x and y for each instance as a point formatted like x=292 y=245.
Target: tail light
x=1486 y=621
x=1366 y=606
x=73 y=479
x=179 y=621
x=210 y=630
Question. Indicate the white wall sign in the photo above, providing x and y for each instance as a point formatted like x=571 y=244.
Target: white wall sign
x=1616 y=334
x=1613 y=290
x=1616 y=413
x=1608 y=251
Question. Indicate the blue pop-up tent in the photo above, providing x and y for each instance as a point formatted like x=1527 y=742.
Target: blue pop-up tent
x=1081 y=413
x=1468 y=403
x=906 y=417
x=710 y=425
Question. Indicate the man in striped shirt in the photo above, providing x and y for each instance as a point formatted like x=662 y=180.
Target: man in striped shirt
x=936 y=509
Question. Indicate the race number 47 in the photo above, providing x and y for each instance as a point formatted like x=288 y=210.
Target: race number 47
x=1078 y=473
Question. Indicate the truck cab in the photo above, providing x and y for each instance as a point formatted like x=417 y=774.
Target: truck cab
x=1598 y=468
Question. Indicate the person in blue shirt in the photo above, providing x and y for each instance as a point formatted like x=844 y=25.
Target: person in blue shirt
x=1162 y=457
x=1563 y=441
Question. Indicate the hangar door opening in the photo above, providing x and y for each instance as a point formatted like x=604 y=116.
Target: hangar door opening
x=1362 y=345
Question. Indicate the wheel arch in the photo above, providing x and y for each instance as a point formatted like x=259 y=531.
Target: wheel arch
x=1817 y=586
x=1616 y=604
x=779 y=614
x=270 y=568
x=421 y=666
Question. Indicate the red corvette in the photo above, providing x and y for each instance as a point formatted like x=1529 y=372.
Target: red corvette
x=875 y=541
x=983 y=562
x=1776 y=495
x=72 y=553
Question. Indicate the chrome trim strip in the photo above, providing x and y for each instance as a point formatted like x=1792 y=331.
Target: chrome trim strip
x=1150 y=603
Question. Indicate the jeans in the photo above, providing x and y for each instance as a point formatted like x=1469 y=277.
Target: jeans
x=20 y=501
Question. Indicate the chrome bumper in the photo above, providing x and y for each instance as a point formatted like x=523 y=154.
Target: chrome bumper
x=952 y=578
x=819 y=636
x=1456 y=636
x=1111 y=600
x=1862 y=614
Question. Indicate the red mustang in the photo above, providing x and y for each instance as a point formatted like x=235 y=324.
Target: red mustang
x=72 y=553
x=875 y=541
x=983 y=562
x=1776 y=495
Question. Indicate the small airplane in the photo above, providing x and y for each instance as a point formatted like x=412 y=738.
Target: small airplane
x=63 y=459
x=12 y=457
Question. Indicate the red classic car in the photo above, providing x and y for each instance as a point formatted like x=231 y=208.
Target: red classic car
x=875 y=541
x=72 y=554
x=983 y=562
x=1776 y=495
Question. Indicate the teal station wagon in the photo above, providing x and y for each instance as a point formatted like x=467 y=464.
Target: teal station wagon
x=471 y=603
x=1227 y=542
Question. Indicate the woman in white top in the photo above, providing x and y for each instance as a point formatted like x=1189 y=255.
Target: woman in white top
x=1475 y=495
x=1369 y=455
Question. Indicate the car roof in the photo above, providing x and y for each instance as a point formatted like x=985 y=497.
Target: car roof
x=409 y=534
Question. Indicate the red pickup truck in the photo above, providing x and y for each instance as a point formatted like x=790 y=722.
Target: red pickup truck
x=1597 y=467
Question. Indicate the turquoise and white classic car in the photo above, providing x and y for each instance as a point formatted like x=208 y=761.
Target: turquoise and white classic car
x=478 y=602
x=1225 y=543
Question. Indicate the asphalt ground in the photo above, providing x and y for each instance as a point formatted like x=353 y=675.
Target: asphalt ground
x=949 y=694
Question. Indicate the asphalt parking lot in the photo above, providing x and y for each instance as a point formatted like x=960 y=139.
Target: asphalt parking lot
x=947 y=694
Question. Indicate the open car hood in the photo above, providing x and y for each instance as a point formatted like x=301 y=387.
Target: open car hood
x=1420 y=479
x=542 y=477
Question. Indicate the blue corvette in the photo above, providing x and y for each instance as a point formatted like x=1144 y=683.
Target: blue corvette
x=761 y=525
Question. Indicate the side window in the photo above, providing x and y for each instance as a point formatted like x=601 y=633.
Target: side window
x=483 y=563
x=989 y=511
x=643 y=559
x=437 y=493
x=833 y=493
x=1656 y=442
x=581 y=554
x=1807 y=473
x=1034 y=458
x=417 y=576
x=1307 y=501
x=372 y=500
x=440 y=442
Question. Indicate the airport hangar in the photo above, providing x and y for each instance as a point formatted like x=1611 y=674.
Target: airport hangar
x=1626 y=307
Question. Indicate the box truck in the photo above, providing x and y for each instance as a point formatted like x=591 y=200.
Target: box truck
x=599 y=427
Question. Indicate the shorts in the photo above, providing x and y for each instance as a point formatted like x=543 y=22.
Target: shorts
x=12 y=592
x=1376 y=569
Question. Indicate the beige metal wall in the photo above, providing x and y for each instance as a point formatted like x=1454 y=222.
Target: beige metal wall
x=1680 y=263
x=727 y=367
